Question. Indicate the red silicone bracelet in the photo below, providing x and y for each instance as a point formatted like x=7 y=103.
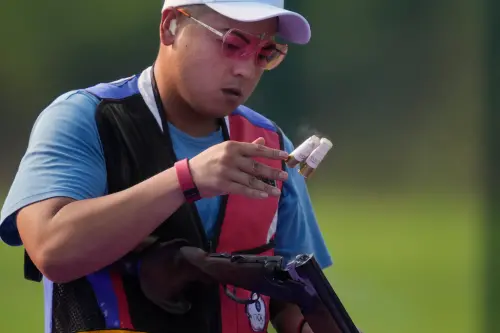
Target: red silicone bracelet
x=186 y=183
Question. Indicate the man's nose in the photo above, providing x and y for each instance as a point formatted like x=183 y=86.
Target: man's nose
x=245 y=66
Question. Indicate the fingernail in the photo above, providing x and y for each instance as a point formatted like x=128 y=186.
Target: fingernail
x=276 y=191
x=283 y=154
x=263 y=195
x=283 y=175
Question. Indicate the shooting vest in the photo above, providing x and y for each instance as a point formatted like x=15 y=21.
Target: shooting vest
x=136 y=148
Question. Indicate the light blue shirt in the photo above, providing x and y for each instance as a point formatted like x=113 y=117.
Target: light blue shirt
x=64 y=158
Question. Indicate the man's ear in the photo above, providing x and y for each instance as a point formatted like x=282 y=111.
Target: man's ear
x=168 y=26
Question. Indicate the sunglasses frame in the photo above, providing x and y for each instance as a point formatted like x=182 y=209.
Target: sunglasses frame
x=222 y=35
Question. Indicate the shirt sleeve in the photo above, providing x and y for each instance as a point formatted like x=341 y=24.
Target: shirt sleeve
x=298 y=231
x=64 y=158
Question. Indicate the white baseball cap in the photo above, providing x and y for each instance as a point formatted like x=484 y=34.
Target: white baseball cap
x=293 y=27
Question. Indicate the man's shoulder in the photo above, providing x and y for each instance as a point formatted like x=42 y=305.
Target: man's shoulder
x=256 y=118
x=77 y=96
x=68 y=119
x=83 y=102
x=74 y=104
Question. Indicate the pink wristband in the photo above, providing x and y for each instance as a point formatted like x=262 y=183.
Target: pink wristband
x=186 y=182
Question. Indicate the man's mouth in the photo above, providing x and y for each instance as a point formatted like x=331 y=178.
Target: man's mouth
x=232 y=92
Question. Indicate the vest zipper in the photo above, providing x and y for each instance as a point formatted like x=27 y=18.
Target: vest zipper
x=214 y=242
x=215 y=322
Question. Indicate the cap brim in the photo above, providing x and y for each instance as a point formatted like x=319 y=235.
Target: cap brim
x=293 y=27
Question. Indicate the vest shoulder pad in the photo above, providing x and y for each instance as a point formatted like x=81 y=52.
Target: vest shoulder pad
x=116 y=90
x=255 y=118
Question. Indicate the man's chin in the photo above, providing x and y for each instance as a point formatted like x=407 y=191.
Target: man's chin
x=219 y=110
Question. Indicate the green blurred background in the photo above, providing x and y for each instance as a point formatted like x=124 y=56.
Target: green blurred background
x=399 y=87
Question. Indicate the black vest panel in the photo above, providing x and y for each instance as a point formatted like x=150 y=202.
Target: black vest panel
x=135 y=149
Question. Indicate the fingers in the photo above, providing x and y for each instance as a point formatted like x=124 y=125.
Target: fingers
x=258 y=149
x=259 y=141
x=237 y=172
x=254 y=187
x=252 y=167
x=236 y=188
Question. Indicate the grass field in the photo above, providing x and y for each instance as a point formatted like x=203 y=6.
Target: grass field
x=403 y=264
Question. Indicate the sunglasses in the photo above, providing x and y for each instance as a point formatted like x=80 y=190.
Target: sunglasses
x=238 y=44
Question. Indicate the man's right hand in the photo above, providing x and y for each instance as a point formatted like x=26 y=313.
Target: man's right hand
x=230 y=167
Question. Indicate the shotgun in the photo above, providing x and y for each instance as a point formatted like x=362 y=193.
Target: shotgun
x=300 y=281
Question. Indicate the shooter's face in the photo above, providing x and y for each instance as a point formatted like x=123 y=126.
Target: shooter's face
x=212 y=82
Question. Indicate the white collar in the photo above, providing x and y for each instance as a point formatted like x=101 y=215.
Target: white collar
x=146 y=90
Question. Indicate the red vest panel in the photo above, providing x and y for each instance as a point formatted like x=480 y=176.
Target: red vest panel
x=248 y=223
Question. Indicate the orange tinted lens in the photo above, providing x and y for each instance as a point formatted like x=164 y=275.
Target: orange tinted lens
x=235 y=44
x=271 y=56
x=238 y=44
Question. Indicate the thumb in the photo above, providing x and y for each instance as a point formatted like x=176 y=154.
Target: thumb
x=259 y=141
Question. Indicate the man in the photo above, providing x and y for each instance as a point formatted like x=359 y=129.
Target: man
x=111 y=169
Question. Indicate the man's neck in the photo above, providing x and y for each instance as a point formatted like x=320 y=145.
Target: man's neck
x=179 y=113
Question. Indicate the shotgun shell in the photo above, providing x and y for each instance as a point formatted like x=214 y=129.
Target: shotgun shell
x=315 y=158
x=301 y=153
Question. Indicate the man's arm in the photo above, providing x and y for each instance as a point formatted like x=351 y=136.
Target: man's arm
x=68 y=238
x=297 y=233
x=67 y=224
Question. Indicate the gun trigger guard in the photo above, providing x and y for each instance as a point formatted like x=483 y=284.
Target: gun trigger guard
x=235 y=298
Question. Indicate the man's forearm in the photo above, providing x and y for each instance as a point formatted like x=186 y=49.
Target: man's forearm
x=84 y=236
